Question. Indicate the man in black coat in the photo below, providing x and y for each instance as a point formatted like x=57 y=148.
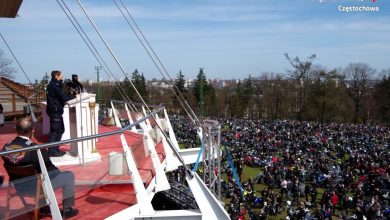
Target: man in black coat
x=27 y=185
x=56 y=100
x=74 y=87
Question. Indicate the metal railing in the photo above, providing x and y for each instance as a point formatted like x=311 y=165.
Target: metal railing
x=88 y=184
x=169 y=142
x=84 y=138
x=182 y=195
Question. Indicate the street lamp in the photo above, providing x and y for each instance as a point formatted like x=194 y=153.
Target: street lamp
x=98 y=68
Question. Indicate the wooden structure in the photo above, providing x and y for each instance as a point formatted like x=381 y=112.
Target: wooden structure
x=14 y=97
x=9 y=9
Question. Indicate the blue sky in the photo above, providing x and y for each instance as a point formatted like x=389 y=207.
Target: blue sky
x=228 y=38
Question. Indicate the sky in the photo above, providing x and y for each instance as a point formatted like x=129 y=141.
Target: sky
x=230 y=39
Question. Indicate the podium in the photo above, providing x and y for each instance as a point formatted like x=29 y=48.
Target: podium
x=80 y=119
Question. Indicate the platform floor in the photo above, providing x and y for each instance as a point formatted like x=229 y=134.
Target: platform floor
x=98 y=194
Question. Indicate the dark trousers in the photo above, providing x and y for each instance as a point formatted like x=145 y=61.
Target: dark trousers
x=57 y=128
x=64 y=180
x=283 y=190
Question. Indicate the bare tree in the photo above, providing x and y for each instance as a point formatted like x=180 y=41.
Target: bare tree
x=271 y=94
x=6 y=70
x=382 y=97
x=324 y=82
x=356 y=80
x=301 y=74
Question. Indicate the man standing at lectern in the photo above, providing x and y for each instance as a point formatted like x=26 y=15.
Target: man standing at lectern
x=56 y=100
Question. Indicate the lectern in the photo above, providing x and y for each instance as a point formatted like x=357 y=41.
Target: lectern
x=80 y=119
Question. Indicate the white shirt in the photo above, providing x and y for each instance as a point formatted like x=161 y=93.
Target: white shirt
x=24 y=137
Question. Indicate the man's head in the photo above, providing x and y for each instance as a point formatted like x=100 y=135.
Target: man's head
x=25 y=126
x=75 y=77
x=57 y=75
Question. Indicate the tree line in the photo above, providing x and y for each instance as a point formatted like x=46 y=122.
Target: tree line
x=306 y=92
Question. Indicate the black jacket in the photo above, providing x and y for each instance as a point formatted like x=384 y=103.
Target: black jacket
x=74 y=87
x=56 y=98
x=26 y=158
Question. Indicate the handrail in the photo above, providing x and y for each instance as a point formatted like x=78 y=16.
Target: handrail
x=180 y=191
x=53 y=144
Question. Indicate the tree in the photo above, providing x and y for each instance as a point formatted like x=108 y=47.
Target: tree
x=6 y=70
x=258 y=109
x=356 y=81
x=41 y=85
x=204 y=92
x=139 y=82
x=115 y=94
x=45 y=79
x=301 y=74
x=246 y=97
x=179 y=88
x=180 y=83
x=322 y=93
x=243 y=97
x=141 y=87
x=237 y=108
x=272 y=95
x=382 y=99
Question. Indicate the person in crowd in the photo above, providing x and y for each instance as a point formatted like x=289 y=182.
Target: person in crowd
x=58 y=179
x=283 y=189
x=1 y=116
x=334 y=200
x=56 y=100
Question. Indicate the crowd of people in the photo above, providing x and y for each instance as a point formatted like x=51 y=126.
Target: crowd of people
x=306 y=170
x=184 y=130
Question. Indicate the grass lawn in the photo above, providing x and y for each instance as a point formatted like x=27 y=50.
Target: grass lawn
x=182 y=146
x=224 y=128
